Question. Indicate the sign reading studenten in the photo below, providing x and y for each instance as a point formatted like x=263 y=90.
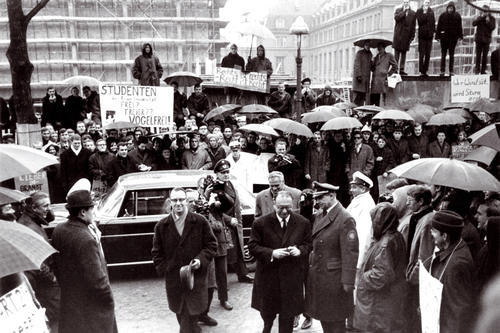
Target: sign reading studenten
x=145 y=106
x=230 y=77
x=468 y=88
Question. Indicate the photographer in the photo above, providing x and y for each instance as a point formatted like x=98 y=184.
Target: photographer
x=286 y=163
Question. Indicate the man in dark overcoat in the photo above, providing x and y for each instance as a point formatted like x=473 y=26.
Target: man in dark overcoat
x=361 y=74
x=280 y=241
x=184 y=238
x=404 y=32
x=485 y=24
x=87 y=303
x=426 y=27
x=74 y=163
x=332 y=263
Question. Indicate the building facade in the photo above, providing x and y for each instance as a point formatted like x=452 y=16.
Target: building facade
x=102 y=38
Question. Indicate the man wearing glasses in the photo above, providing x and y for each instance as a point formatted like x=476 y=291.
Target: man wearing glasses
x=360 y=158
x=184 y=238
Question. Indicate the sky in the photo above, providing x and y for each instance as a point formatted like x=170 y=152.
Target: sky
x=236 y=8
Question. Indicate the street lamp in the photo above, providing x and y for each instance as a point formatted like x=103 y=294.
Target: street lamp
x=299 y=28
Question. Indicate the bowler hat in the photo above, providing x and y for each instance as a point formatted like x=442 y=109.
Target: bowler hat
x=321 y=189
x=79 y=199
x=187 y=276
x=222 y=165
x=447 y=221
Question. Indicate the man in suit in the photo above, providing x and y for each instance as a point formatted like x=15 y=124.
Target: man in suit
x=184 y=238
x=332 y=263
x=74 y=163
x=280 y=240
x=87 y=303
x=264 y=203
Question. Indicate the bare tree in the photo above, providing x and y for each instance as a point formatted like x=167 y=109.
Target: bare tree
x=21 y=67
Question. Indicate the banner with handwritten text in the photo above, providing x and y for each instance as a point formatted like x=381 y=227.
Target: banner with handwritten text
x=468 y=88
x=230 y=77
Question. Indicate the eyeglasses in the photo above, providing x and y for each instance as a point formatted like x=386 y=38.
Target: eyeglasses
x=177 y=199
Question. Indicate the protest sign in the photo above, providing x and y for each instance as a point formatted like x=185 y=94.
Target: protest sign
x=460 y=151
x=142 y=105
x=32 y=183
x=430 y=290
x=468 y=88
x=230 y=77
x=18 y=312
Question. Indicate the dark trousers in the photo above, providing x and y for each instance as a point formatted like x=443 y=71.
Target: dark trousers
x=448 y=46
x=210 y=298
x=375 y=99
x=187 y=322
x=239 y=266
x=221 y=277
x=424 y=54
x=333 y=326
x=285 y=323
x=359 y=98
x=482 y=50
x=400 y=59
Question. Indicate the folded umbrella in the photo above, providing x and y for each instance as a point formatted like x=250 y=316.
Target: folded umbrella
x=487 y=136
x=9 y=196
x=341 y=123
x=22 y=249
x=442 y=119
x=222 y=111
x=259 y=128
x=289 y=126
x=183 y=79
x=448 y=172
x=17 y=160
x=393 y=115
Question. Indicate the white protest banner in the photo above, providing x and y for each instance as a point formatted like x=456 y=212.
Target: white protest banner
x=468 y=88
x=430 y=290
x=32 y=183
x=19 y=314
x=142 y=105
x=230 y=77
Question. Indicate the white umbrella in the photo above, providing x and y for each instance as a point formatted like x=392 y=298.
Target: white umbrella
x=20 y=160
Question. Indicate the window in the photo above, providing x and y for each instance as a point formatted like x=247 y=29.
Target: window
x=280 y=23
x=144 y=202
x=280 y=63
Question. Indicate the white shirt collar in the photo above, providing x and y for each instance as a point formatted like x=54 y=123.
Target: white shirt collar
x=281 y=220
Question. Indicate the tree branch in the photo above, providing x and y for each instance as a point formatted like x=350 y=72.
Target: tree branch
x=35 y=10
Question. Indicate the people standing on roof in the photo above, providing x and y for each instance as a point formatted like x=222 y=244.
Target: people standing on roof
x=147 y=68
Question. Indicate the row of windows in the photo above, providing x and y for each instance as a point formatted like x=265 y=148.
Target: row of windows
x=340 y=9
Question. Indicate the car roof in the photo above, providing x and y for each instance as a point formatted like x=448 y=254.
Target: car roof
x=155 y=179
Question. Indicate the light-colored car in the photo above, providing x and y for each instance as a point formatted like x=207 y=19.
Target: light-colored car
x=127 y=215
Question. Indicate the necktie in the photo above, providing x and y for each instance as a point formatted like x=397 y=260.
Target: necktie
x=283 y=225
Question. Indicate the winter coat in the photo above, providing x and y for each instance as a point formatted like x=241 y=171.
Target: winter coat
x=325 y=99
x=73 y=111
x=53 y=112
x=100 y=165
x=281 y=103
x=418 y=145
x=198 y=103
x=495 y=63
x=449 y=27
x=264 y=202
x=180 y=102
x=362 y=161
x=317 y=163
x=87 y=303
x=421 y=247
x=196 y=160
x=332 y=264
x=381 y=285
x=453 y=267
x=74 y=167
x=146 y=157
x=361 y=72
x=121 y=166
x=308 y=100
x=488 y=258
x=93 y=106
x=400 y=151
x=289 y=166
x=404 y=29
x=279 y=283
x=217 y=155
x=383 y=65
x=484 y=28
x=147 y=68
x=337 y=174
x=260 y=64
x=171 y=251
x=232 y=60
x=426 y=23
x=435 y=150
x=387 y=162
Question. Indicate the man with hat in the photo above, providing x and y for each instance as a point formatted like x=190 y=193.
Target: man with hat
x=308 y=95
x=333 y=259
x=229 y=211
x=453 y=266
x=184 y=244
x=87 y=303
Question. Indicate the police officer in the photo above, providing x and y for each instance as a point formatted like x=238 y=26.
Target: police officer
x=228 y=204
x=332 y=263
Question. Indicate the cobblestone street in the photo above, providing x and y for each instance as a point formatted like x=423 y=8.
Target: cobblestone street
x=141 y=307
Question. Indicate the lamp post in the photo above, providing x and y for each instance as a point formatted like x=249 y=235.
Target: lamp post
x=299 y=28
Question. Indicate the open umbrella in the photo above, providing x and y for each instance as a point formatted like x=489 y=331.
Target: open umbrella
x=344 y=105
x=184 y=79
x=9 y=196
x=448 y=172
x=461 y=112
x=22 y=249
x=289 y=126
x=485 y=105
x=482 y=154
x=487 y=136
x=257 y=109
x=17 y=160
x=322 y=115
x=341 y=123
x=394 y=115
x=373 y=41
x=442 y=119
x=259 y=128
x=419 y=117
x=222 y=111
x=369 y=108
x=81 y=80
x=120 y=124
x=251 y=28
x=456 y=106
